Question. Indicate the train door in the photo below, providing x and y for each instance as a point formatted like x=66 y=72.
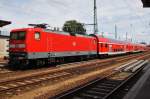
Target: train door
x=110 y=48
x=125 y=49
x=102 y=48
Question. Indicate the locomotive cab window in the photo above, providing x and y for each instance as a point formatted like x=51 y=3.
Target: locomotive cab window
x=20 y=35
x=37 y=35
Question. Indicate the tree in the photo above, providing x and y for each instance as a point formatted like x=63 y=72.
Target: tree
x=74 y=27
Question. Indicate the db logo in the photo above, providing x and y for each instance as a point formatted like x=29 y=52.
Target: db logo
x=74 y=44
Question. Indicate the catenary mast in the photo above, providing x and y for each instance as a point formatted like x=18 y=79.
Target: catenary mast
x=95 y=18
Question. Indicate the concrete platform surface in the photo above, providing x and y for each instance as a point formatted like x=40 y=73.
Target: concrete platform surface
x=141 y=90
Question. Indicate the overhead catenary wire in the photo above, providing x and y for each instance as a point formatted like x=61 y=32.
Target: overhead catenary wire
x=133 y=9
x=140 y=19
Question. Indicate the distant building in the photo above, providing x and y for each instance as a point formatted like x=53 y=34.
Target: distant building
x=4 y=46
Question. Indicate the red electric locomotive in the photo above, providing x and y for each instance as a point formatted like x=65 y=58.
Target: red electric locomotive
x=42 y=46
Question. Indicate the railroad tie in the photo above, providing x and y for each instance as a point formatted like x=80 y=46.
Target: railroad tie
x=36 y=80
x=27 y=81
x=5 y=71
x=42 y=78
x=100 y=89
x=3 y=87
x=21 y=83
x=84 y=95
x=1 y=65
x=13 y=85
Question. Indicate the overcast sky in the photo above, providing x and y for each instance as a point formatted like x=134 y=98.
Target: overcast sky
x=128 y=15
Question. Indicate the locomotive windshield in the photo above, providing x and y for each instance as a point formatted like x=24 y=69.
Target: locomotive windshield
x=17 y=35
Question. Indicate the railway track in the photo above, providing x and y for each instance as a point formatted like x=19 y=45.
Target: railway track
x=3 y=68
x=103 y=88
x=16 y=85
x=69 y=66
x=3 y=63
x=5 y=72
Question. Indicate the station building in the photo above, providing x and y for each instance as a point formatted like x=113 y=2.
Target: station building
x=4 y=43
x=4 y=46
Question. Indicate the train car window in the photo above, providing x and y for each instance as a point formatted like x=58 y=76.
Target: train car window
x=101 y=45
x=106 y=45
x=37 y=35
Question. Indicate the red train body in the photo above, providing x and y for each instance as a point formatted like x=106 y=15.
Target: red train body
x=40 y=46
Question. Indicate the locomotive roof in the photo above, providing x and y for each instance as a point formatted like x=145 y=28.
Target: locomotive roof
x=24 y=29
x=65 y=33
x=48 y=30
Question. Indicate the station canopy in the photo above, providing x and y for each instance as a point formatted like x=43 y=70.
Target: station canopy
x=146 y=3
x=4 y=23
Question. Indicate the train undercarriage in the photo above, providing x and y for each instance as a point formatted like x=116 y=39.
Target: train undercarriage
x=21 y=62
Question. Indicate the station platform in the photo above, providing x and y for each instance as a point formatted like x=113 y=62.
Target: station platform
x=141 y=90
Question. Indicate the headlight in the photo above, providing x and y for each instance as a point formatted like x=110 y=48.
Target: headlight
x=21 y=46
x=12 y=45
